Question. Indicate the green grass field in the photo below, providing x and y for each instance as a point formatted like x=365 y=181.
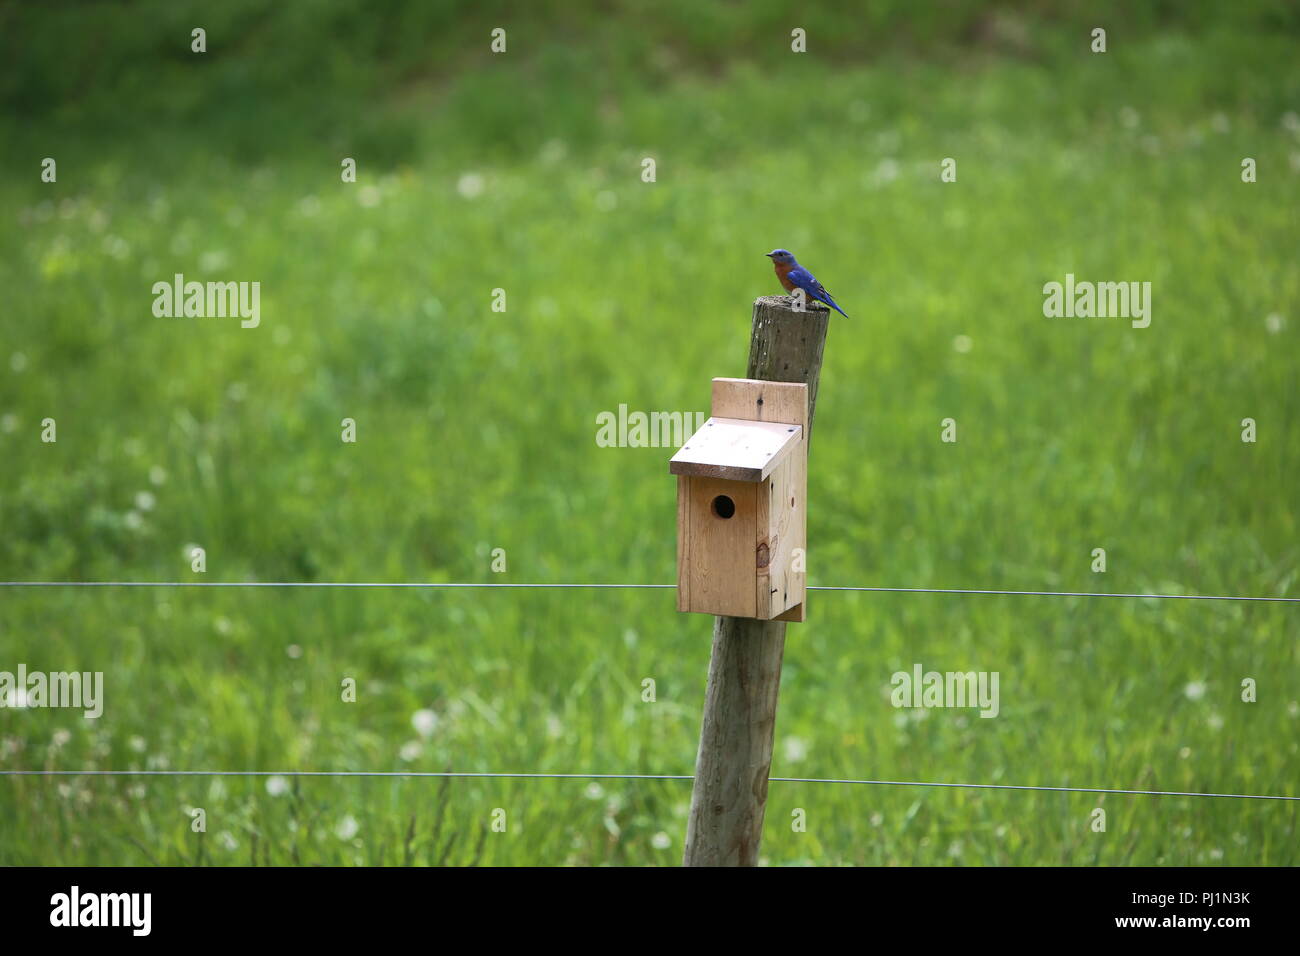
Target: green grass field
x=476 y=431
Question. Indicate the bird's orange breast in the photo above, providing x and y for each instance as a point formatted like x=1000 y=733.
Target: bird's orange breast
x=782 y=273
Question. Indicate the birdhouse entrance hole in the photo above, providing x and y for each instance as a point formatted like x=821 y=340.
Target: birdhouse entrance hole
x=723 y=506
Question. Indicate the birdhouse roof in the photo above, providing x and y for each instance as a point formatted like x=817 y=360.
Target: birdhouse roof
x=735 y=449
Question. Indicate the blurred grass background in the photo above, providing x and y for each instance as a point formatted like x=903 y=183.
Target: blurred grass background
x=476 y=430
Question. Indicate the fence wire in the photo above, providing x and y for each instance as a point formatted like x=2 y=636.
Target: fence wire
x=435 y=585
x=449 y=585
x=623 y=776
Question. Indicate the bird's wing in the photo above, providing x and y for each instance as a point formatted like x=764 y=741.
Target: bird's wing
x=804 y=279
x=807 y=281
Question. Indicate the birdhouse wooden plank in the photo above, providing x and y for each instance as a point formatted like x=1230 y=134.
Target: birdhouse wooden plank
x=741 y=503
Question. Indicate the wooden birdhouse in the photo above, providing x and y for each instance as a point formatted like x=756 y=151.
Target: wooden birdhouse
x=741 y=503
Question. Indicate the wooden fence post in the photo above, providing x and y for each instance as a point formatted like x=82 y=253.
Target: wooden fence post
x=731 y=769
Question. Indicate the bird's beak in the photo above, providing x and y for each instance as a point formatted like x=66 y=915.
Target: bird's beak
x=769 y=254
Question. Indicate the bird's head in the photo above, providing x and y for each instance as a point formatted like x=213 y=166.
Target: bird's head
x=781 y=257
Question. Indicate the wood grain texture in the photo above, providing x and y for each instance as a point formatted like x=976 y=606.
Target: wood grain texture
x=683 y=536
x=715 y=571
x=781 y=530
x=759 y=401
x=732 y=765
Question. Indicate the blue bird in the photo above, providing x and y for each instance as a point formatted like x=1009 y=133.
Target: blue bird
x=794 y=276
